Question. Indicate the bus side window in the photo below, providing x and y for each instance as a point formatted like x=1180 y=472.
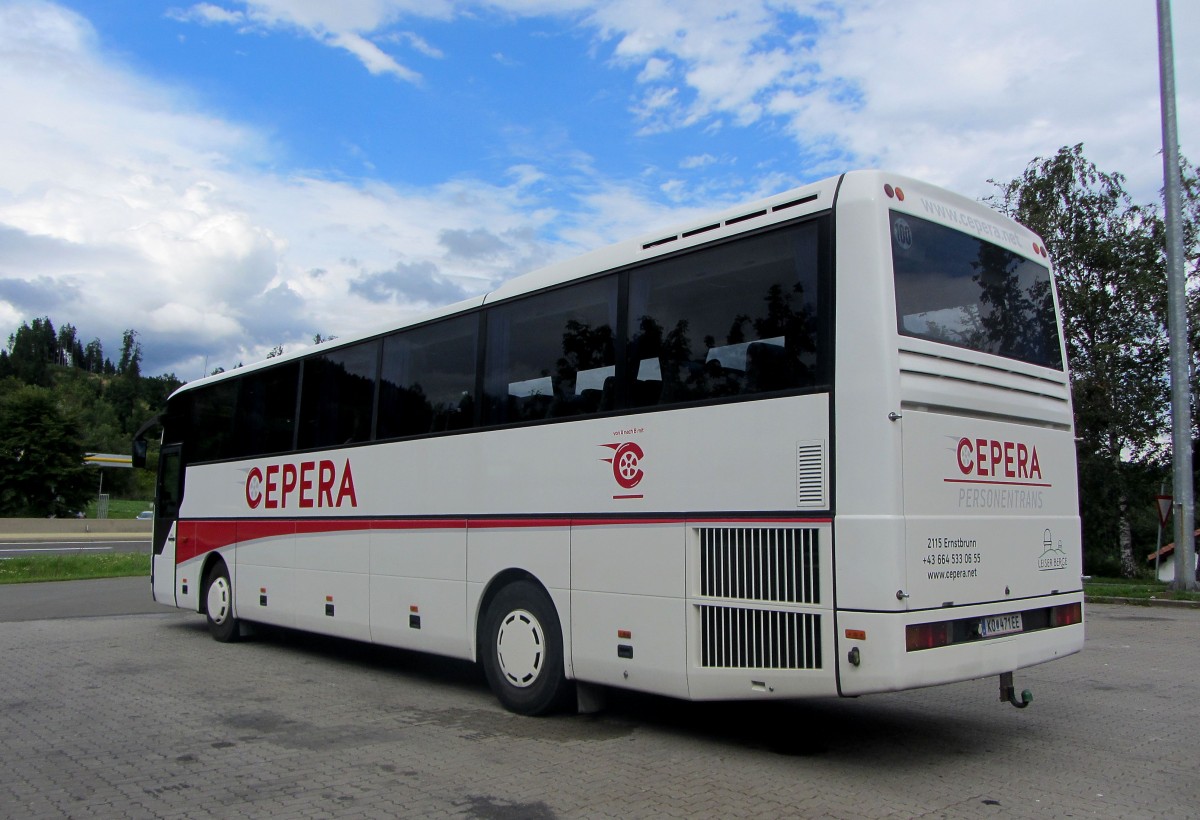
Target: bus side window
x=427 y=379
x=338 y=396
x=734 y=320
x=549 y=356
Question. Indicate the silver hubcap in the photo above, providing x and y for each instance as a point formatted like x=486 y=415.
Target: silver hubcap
x=520 y=648
x=218 y=600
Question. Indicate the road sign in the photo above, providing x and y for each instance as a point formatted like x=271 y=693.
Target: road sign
x=1164 y=508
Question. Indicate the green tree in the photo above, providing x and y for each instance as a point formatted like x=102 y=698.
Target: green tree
x=93 y=357
x=31 y=351
x=1109 y=258
x=41 y=457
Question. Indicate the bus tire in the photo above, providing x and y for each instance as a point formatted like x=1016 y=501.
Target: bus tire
x=218 y=604
x=522 y=650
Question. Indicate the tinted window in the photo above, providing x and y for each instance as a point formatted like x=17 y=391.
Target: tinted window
x=551 y=355
x=734 y=320
x=212 y=428
x=338 y=396
x=266 y=411
x=427 y=384
x=964 y=291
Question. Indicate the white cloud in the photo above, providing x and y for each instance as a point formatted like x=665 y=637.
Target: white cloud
x=698 y=161
x=372 y=56
x=208 y=14
x=120 y=208
x=955 y=92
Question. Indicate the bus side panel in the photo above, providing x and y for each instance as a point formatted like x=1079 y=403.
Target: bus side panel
x=333 y=583
x=195 y=540
x=418 y=588
x=266 y=585
x=163 y=581
x=870 y=564
x=529 y=546
x=628 y=613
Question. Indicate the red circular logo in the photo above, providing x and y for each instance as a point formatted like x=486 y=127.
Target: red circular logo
x=625 y=465
x=254 y=488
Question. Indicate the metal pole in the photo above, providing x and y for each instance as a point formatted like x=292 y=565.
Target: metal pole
x=1181 y=414
x=1158 y=547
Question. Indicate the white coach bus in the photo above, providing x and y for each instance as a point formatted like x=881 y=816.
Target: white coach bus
x=818 y=445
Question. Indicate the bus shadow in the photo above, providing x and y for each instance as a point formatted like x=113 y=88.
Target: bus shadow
x=853 y=731
x=906 y=731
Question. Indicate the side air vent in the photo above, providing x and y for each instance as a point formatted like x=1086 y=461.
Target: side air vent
x=744 y=217
x=810 y=475
x=658 y=242
x=731 y=221
x=768 y=564
x=734 y=638
x=801 y=201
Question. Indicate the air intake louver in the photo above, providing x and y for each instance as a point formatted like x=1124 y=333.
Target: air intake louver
x=774 y=565
x=736 y=638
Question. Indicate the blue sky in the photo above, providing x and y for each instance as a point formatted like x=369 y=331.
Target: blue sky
x=230 y=175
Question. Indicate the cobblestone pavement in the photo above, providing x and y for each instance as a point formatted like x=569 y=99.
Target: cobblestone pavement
x=145 y=716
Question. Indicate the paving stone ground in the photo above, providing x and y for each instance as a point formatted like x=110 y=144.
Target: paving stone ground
x=145 y=716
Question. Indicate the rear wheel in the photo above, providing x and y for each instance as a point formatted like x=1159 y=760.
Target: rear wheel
x=218 y=603
x=522 y=649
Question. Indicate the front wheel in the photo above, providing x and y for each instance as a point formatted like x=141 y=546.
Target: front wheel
x=522 y=649
x=218 y=603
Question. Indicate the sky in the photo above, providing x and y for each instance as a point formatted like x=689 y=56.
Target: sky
x=227 y=176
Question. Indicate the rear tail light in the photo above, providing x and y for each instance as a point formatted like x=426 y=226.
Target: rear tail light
x=1066 y=614
x=927 y=636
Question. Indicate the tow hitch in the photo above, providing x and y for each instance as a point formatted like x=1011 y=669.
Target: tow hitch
x=1008 y=692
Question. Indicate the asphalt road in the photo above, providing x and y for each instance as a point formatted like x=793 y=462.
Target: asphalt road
x=77 y=599
x=15 y=546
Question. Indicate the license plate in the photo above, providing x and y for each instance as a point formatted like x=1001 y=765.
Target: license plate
x=1001 y=625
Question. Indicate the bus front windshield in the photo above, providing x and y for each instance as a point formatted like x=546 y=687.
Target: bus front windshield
x=964 y=291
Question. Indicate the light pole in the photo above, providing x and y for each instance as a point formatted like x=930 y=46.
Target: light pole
x=1177 y=324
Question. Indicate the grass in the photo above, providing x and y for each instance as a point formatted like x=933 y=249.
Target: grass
x=119 y=508
x=27 y=569
x=1143 y=589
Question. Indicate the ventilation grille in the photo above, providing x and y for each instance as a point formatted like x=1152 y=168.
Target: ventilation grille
x=774 y=565
x=759 y=639
x=731 y=221
x=810 y=474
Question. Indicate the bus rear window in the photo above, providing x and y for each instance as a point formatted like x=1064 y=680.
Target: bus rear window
x=964 y=291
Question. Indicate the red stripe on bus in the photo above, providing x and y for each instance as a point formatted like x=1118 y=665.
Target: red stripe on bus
x=197 y=537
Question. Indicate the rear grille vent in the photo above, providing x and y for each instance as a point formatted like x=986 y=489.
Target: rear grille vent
x=735 y=638
x=774 y=565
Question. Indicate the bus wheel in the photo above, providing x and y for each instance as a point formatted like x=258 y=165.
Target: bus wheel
x=218 y=603
x=522 y=649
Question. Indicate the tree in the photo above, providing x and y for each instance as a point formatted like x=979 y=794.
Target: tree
x=41 y=458
x=93 y=357
x=32 y=349
x=1109 y=258
x=131 y=355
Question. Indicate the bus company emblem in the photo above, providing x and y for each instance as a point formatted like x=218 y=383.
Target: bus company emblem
x=626 y=465
x=1053 y=556
x=306 y=485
